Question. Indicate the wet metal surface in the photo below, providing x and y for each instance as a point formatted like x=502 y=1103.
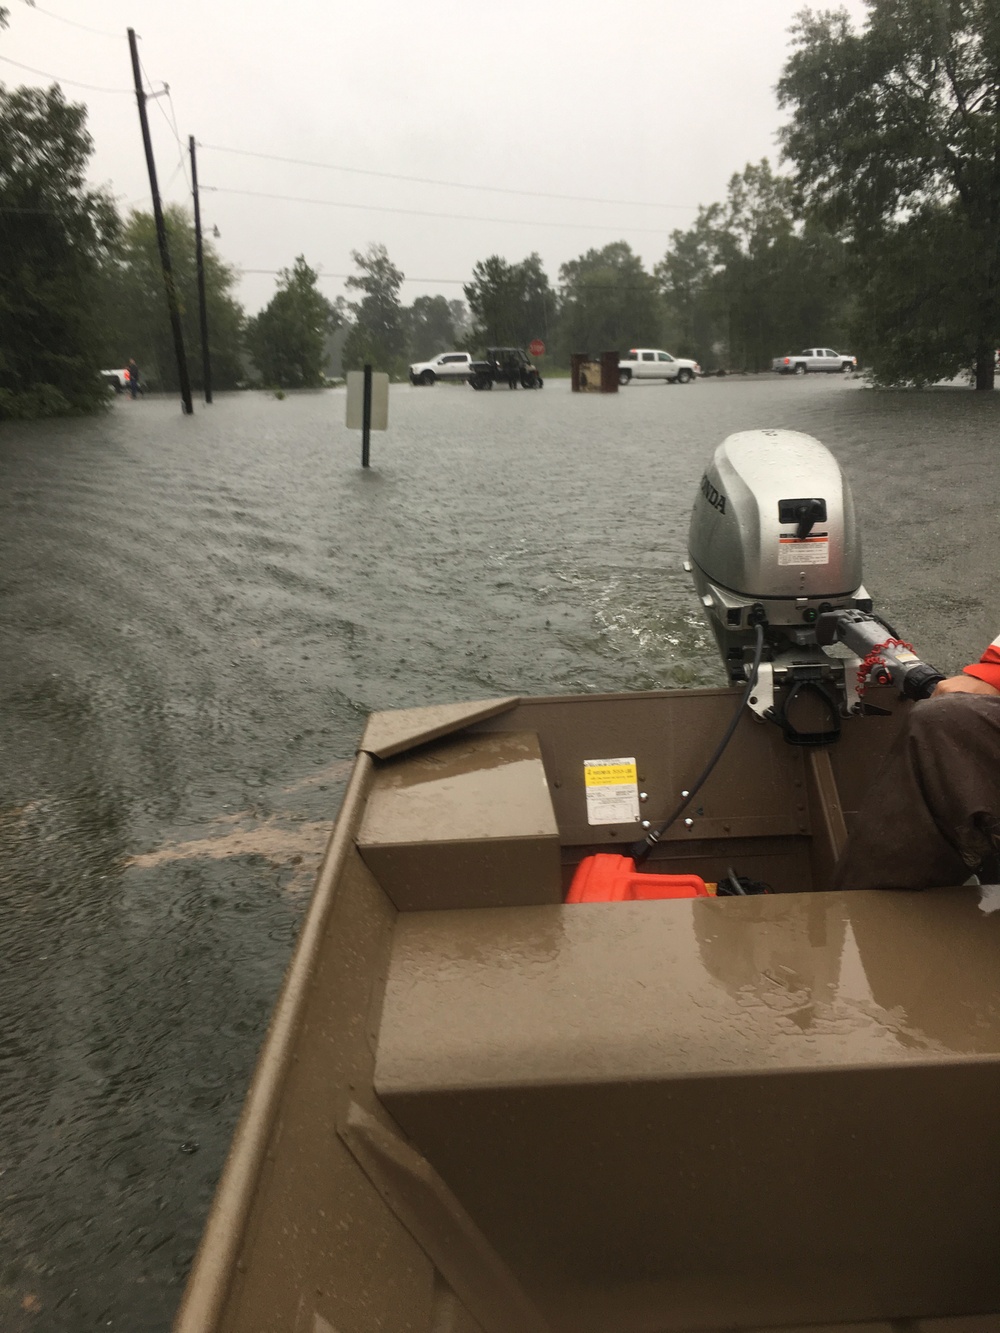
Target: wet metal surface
x=640 y=1079
x=196 y=616
x=466 y=823
x=644 y=991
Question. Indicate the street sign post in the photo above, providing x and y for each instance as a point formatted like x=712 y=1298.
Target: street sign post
x=367 y=404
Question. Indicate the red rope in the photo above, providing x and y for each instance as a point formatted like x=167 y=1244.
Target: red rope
x=875 y=659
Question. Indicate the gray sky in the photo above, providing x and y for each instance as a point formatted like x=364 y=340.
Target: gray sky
x=650 y=103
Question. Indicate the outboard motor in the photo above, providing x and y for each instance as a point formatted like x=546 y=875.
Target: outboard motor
x=776 y=559
x=774 y=543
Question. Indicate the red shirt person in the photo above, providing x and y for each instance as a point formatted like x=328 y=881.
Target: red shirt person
x=985 y=672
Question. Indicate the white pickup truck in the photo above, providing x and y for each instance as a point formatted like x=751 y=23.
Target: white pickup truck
x=815 y=359
x=116 y=379
x=651 y=363
x=447 y=366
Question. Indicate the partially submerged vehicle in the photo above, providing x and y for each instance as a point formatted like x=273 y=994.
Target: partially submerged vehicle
x=488 y=1103
x=505 y=365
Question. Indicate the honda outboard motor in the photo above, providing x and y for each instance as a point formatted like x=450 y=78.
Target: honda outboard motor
x=774 y=543
x=776 y=559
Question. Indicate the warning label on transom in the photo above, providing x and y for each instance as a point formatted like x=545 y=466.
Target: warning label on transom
x=612 y=791
x=807 y=551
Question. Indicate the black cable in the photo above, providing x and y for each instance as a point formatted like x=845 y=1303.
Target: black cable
x=426 y=213
x=101 y=32
x=740 y=886
x=450 y=185
x=73 y=83
x=640 y=850
x=885 y=625
x=463 y=282
x=738 y=890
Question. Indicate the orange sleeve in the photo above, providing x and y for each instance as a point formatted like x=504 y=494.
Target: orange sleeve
x=988 y=666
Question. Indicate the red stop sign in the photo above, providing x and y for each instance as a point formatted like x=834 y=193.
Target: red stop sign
x=536 y=347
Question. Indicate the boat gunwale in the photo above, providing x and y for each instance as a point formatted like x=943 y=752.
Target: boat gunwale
x=215 y=1264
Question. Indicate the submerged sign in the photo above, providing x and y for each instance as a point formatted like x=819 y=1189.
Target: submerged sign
x=356 y=400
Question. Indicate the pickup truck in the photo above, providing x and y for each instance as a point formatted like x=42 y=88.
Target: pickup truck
x=651 y=363
x=815 y=359
x=116 y=379
x=447 y=366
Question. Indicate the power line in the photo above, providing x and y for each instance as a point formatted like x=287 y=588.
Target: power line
x=424 y=213
x=102 y=32
x=461 y=282
x=176 y=131
x=73 y=83
x=456 y=282
x=171 y=126
x=173 y=176
x=454 y=185
x=181 y=164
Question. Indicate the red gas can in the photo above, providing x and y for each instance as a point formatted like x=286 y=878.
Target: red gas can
x=605 y=878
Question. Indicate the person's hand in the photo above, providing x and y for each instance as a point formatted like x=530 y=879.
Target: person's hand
x=963 y=685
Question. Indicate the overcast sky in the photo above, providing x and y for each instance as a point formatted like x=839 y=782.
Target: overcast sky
x=649 y=105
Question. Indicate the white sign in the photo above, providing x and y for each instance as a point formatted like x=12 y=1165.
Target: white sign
x=612 y=791
x=807 y=551
x=356 y=400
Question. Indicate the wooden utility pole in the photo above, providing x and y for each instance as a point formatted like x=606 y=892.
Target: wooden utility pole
x=206 y=363
x=161 y=232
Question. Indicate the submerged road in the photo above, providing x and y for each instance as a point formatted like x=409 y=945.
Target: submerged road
x=195 y=617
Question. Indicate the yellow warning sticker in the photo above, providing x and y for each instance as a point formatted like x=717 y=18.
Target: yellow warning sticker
x=612 y=789
x=608 y=772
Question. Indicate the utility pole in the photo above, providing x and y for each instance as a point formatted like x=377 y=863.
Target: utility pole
x=206 y=363
x=161 y=232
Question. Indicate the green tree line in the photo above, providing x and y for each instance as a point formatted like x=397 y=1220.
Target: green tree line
x=880 y=235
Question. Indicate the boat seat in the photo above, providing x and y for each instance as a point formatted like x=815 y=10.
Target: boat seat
x=754 y=1111
x=466 y=823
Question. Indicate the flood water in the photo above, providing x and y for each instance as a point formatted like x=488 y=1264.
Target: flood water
x=196 y=615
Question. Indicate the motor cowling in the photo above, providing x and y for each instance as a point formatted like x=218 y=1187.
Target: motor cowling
x=773 y=541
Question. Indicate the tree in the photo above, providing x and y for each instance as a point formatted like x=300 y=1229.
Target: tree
x=5 y=13
x=509 y=303
x=696 y=317
x=783 y=284
x=915 y=288
x=895 y=136
x=136 y=320
x=758 y=251
x=430 y=323
x=608 y=301
x=287 y=339
x=54 y=235
x=748 y=281
x=378 y=336
x=459 y=318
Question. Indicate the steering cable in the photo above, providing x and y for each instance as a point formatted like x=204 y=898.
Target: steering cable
x=640 y=850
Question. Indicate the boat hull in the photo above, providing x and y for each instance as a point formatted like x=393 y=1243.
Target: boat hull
x=479 y=1107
